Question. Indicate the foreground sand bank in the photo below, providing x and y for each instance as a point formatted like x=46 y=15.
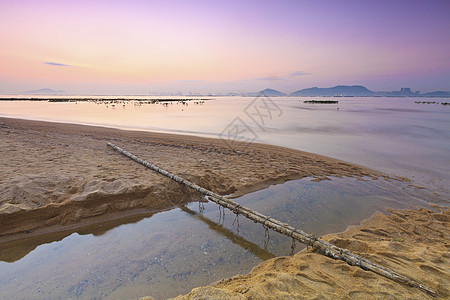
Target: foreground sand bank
x=412 y=242
x=64 y=174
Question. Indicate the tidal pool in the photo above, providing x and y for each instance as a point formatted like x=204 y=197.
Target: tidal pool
x=167 y=253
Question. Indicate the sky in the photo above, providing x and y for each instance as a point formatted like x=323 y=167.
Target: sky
x=144 y=47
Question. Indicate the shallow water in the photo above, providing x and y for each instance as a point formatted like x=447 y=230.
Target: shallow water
x=174 y=251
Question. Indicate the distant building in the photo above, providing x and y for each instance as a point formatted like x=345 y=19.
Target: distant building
x=406 y=92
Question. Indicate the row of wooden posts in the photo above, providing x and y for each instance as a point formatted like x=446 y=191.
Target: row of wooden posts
x=318 y=245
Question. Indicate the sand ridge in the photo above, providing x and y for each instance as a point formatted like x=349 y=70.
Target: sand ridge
x=64 y=174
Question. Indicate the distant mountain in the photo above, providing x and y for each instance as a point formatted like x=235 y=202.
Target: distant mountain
x=436 y=94
x=271 y=93
x=340 y=90
x=45 y=91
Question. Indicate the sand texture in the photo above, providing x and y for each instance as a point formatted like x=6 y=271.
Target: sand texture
x=412 y=242
x=64 y=175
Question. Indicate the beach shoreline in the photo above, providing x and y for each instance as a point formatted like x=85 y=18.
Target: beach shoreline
x=62 y=176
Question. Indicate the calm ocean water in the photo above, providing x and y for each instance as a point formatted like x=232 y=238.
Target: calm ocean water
x=171 y=252
x=393 y=135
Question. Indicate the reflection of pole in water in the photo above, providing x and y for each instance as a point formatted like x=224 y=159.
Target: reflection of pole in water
x=262 y=254
x=266 y=237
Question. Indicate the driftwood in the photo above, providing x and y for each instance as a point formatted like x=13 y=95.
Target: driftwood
x=318 y=245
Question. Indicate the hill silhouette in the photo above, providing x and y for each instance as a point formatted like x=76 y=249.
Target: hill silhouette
x=45 y=91
x=340 y=90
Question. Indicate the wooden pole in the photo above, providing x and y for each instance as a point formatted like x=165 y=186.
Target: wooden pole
x=319 y=246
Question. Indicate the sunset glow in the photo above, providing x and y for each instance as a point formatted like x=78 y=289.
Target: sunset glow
x=136 y=47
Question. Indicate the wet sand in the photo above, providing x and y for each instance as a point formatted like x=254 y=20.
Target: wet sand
x=59 y=176
x=412 y=242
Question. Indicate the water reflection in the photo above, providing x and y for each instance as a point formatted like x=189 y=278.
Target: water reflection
x=14 y=250
x=172 y=252
x=256 y=250
x=20 y=246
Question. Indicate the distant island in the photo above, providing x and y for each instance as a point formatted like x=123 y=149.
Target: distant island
x=271 y=93
x=336 y=91
x=45 y=91
x=343 y=91
x=437 y=94
x=266 y=92
x=340 y=90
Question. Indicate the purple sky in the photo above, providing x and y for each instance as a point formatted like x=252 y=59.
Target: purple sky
x=134 y=47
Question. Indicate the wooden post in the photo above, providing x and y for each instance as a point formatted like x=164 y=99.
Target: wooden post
x=319 y=246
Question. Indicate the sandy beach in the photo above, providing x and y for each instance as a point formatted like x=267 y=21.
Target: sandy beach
x=62 y=176
x=58 y=176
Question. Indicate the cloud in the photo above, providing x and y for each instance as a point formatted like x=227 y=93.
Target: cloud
x=55 y=64
x=267 y=78
x=189 y=81
x=299 y=73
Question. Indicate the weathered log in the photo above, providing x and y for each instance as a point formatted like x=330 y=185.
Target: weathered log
x=318 y=245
